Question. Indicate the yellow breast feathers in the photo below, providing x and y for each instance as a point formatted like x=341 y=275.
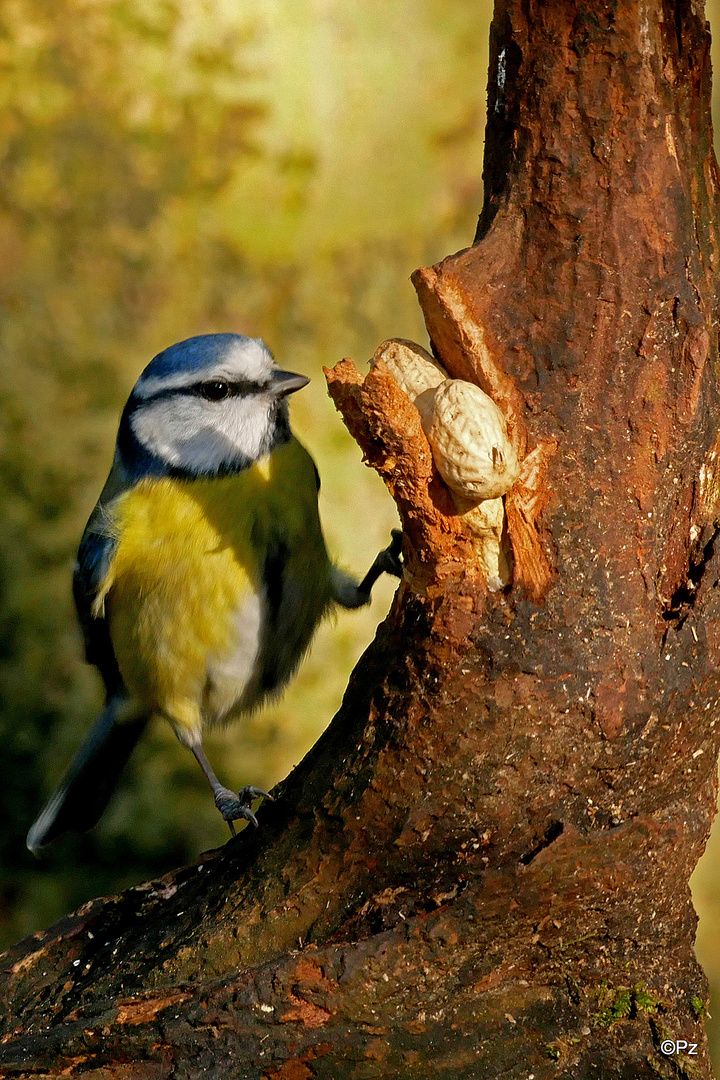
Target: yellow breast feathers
x=190 y=556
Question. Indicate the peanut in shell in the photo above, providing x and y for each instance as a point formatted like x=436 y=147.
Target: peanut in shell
x=468 y=436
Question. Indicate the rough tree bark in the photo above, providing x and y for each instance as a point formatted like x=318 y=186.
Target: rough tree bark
x=481 y=868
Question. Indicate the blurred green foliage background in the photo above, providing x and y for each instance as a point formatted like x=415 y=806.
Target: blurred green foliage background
x=174 y=167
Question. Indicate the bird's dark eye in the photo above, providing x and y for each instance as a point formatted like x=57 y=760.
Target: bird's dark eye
x=215 y=390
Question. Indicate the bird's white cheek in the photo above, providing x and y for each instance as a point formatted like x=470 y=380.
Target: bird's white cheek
x=244 y=424
x=161 y=428
x=204 y=436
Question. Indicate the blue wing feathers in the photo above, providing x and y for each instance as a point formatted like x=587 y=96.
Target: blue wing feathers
x=93 y=562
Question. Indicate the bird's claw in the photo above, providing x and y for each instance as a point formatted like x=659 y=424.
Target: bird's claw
x=234 y=808
x=391 y=557
x=247 y=794
x=388 y=561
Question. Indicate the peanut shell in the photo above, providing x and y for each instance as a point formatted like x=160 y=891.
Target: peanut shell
x=468 y=436
x=413 y=368
x=486 y=519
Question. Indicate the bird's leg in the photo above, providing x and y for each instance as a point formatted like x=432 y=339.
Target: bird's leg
x=346 y=590
x=230 y=806
x=389 y=561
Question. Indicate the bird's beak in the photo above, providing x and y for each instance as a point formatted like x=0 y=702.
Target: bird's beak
x=286 y=382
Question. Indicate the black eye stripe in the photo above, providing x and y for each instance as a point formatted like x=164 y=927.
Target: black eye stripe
x=231 y=389
x=236 y=388
x=199 y=390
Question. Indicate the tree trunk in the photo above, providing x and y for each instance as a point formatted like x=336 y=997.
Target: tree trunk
x=481 y=868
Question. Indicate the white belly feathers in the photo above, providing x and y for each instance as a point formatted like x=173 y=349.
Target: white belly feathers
x=233 y=678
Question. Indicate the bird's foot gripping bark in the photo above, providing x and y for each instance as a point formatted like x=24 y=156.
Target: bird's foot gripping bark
x=389 y=561
x=235 y=808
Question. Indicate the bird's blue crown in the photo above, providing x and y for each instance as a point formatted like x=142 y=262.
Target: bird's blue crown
x=195 y=354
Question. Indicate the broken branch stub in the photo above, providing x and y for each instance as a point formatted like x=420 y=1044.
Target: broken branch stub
x=467 y=434
x=387 y=428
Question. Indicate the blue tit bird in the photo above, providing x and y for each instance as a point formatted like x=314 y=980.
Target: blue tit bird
x=203 y=572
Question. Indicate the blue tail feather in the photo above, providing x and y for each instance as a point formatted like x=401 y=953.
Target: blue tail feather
x=85 y=790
